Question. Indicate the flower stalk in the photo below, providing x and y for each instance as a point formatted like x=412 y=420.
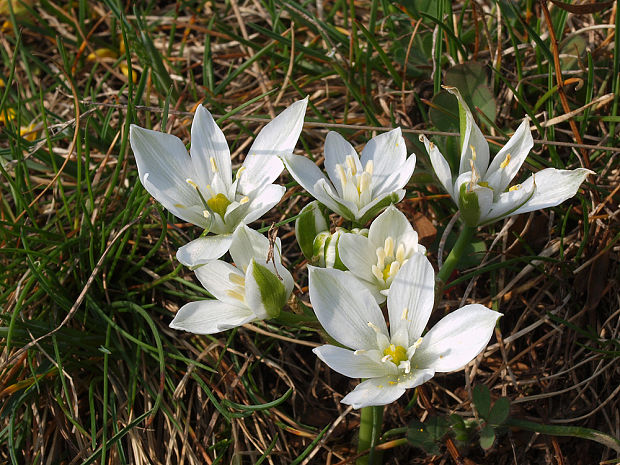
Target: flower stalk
x=371 y=422
x=455 y=255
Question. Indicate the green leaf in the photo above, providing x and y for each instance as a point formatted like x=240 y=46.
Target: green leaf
x=444 y=112
x=437 y=427
x=487 y=437
x=459 y=428
x=482 y=400
x=418 y=436
x=471 y=80
x=500 y=411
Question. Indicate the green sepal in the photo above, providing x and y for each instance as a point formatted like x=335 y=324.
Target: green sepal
x=469 y=206
x=272 y=291
x=311 y=220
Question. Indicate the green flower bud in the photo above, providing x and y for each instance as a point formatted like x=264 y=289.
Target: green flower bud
x=311 y=221
x=325 y=250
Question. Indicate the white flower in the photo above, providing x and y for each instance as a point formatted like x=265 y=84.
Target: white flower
x=401 y=358
x=252 y=289
x=481 y=190
x=357 y=189
x=199 y=188
x=377 y=258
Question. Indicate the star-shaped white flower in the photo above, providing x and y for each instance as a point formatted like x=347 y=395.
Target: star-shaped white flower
x=199 y=187
x=251 y=289
x=376 y=259
x=401 y=358
x=481 y=189
x=357 y=188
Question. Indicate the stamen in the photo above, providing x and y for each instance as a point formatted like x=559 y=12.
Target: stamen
x=405 y=314
x=239 y=171
x=179 y=205
x=350 y=161
x=359 y=352
x=417 y=343
x=364 y=182
x=236 y=279
x=504 y=164
x=400 y=253
x=206 y=214
x=341 y=175
x=374 y=326
x=389 y=246
x=213 y=165
x=235 y=295
x=370 y=167
x=195 y=186
x=473 y=152
x=380 y=257
x=386 y=358
x=245 y=199
x=516 y=187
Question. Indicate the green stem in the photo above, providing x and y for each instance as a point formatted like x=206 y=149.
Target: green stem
x=573 y=431
x=370 y=429
x=454 y=257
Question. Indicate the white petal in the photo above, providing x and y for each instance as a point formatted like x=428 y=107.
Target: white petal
x=471 y=137
x=246 y=245
x=374 y=391
x=253 y=297
x=411 y=297
x=377 y=204
x=327 y=196
x=163 y=167
x=208 y=142
x=552 y=187
x=456 y=339
x=358 y=255
x=215 y=278
x=440 y=165
x=518 y=147
x=236 y=213
x=346 y=362
x=345 y=307
x=204 y=249
x=336 y=150
x=263 y=200
x=391 y=223
x=398 y=179
x=304 y=171
x=508 y=203
x=210 y=316
x=262 y=165
x=387 y=152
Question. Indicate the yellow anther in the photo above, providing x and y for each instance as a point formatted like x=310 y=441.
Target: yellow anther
x=350 y=161
x=213 y=165
x=179 y=205
x=370 y=167
x=417 y=343
x=245 y=199
x=405 y=314
x=206 y=214
x=191 y=183
x=239 y=172
x=236 y=279
x=388 y=246
x=473 y=152
x=516 y=187
x=235 y=295
x=504 y=164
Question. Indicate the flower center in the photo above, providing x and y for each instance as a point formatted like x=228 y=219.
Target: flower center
x=355 y=185
x=389 y=260
x=395 y=353
x=218 y=204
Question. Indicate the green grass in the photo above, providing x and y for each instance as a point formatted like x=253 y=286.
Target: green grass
x=87 y=257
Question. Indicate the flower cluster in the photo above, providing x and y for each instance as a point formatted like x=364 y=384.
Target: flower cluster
x=355 y=274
